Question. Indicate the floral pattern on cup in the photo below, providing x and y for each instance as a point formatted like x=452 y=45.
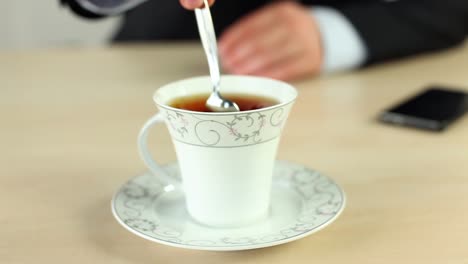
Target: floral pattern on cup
x=237 y=130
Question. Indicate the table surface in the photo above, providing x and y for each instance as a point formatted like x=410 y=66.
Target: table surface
x=68 y=141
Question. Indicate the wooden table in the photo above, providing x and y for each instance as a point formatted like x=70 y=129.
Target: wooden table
x=69 y=120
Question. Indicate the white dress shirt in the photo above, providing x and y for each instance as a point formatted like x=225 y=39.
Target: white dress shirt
x=342 y=46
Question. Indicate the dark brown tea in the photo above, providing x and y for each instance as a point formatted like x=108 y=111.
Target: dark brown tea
x=245 y=102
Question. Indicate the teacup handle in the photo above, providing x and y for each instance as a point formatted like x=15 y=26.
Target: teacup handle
x=146 y=156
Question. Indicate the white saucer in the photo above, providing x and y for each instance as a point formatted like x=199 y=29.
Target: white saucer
x=303 y=202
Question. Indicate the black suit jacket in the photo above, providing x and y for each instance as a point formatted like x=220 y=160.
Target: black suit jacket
x=389 y=29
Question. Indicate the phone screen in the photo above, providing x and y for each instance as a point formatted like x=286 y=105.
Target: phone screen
x=434 y=109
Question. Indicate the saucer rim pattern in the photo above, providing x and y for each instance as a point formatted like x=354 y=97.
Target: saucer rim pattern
x=247 y=243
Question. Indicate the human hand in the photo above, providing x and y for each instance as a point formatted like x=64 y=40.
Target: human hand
x=192 y=4
x=279 y=41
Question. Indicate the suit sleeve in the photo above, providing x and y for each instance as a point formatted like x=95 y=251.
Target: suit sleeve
x=395 y=29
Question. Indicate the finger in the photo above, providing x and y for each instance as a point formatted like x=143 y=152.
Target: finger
x=248 y=26
x=192 y=4
x=268 y=43
x=292 y=69
x=262 y=58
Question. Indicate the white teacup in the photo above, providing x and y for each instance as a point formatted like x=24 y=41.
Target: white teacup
x=226 y=159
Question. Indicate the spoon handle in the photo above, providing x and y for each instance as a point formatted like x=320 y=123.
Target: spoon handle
x=208 y=39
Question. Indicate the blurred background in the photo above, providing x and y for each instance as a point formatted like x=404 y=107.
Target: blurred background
x=26 y=24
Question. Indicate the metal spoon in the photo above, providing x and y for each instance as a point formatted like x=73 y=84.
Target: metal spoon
x=215 y=102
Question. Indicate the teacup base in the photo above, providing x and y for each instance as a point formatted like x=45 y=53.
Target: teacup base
x=263 y=216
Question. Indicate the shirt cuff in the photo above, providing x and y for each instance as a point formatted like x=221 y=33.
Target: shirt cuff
x=343 y=48
x=108 y=8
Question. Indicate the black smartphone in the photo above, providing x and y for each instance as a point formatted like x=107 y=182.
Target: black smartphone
x=433 y=109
